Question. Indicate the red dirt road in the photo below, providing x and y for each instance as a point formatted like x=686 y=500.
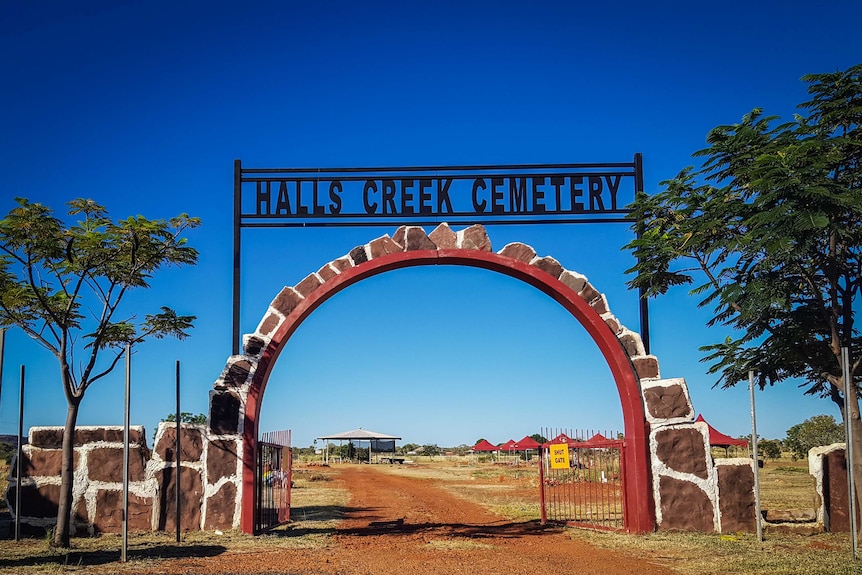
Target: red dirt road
x=401 y=525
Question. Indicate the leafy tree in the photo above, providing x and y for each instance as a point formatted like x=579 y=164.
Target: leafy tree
x=538 y=438
x=431 y=450
x=772 y=222
x=187 y=417
x=63 y=287
x=770 y=448
x=813 y=432
x=408 y=447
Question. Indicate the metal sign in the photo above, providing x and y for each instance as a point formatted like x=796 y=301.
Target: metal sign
x=532 y=193
x=559 y=456
x=430 y=195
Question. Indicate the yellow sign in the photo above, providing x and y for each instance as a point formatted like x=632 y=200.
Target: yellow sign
x=559 y=455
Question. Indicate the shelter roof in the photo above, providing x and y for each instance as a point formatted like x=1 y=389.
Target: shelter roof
x=484 y=445
x=359 y=434
x=509 y=445
x=719 y=439
x=527 y=443
x=561 y=438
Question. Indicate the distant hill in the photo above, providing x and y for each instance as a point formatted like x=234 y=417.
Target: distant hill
x=11 y=439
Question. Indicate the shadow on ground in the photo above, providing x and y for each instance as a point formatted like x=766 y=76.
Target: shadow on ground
x=73 y=558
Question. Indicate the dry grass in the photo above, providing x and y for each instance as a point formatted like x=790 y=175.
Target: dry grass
x=319 y=500
x=786 y=484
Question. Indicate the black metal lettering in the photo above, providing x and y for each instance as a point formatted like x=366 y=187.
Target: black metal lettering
x=614 y=187
x=370 y=185
x=406 y=198
x=300 y=209
x=335 y=197
x=558 y=182
x=496 y=196
x=318 y=210
x=518 y=195
x=595 y=187
x=478 y=207
x=538 y=195
x=388 y=194
x=443 y=196
x=263 y=197
x=283 y=202
x=424 y=197
x=576 y=192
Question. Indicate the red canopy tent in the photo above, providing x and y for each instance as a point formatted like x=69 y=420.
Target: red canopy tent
x=527 y=443
x=484 y=445
x=562 y=438
x=718 y=439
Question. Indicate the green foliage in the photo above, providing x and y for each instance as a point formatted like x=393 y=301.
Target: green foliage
x=769 y=448
x=63 y=286
x=431 y=450
x=813 y=432
x=187 y=417
x=7 y=451
x=538 y=438
x=769 y=234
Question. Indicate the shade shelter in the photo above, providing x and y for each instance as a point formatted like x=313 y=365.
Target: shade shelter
x=484 y=445
x=526 y=444
x=718 y=439
x=377 y=442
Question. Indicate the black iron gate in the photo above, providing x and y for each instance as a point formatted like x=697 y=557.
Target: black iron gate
x=582 y=479
x=273 y=480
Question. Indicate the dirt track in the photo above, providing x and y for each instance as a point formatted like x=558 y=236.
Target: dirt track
x=399 y=525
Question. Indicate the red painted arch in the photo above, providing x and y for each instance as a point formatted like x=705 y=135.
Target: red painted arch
x=640 y=511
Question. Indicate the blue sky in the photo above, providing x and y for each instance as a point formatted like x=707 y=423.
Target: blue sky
x=143 y=106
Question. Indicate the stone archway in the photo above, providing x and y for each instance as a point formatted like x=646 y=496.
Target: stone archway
x=670 y=479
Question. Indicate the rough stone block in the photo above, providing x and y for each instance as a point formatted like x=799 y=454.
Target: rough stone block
x=237 y=371
x=109 y=512
x=413 y=238
x=191 y=443
x=308 y=284
x=383 y=246
x=269 y=324
x=443 y=237
x=39 y=501
x=646 y=366
x=573 y=280
x=106 y=464
x=253 y=345
x=342 y=264
x=326 y=273
x=358 y=255
x=667 y=401
x=518 y=251
x=52 y=437
x=42 y=462
x=474 y=238
x=221 y=459
x=548 y=265
x=611 y=321
x=224 y=413
x=685 y=507
x=736 y=497
x=600 y=304
x=286 y=301
x=588 y=292
x=683 y=449
x=632 y=343
x=221 y=507
x=191 y=497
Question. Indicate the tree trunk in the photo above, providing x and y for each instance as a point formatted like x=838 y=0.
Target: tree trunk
x=853 y=420
x=67 y=479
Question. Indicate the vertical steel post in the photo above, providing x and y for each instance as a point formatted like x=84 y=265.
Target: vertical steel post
x=177 y=452
x=643 y=300
x=756 y=460
x=125 y=547
x=19 y=455
x=237 y=235
x=850 y=395
x=2 y=354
